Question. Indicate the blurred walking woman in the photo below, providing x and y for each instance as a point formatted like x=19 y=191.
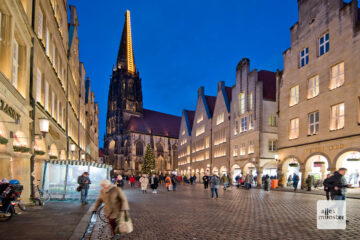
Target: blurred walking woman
x=115 y=203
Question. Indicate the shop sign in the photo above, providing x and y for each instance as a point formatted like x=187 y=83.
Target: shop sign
x=9 y=110
x=325 y=148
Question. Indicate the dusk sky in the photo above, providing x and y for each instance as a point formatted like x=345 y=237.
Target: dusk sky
x=182 y=45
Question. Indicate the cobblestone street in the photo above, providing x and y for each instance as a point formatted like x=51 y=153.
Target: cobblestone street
x=190 y=213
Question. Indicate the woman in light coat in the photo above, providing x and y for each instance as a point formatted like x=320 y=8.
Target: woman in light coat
x=115 y=203
x=144 y=181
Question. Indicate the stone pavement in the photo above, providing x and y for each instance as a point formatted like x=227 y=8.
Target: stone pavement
x=56 y=221
x=191 y=214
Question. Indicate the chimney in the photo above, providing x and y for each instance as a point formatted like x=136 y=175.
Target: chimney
x=201 y=91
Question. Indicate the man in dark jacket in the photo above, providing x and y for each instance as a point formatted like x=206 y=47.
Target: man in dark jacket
x=206 y=181
x=84 y=182
x=327 y=189
x=338 y=185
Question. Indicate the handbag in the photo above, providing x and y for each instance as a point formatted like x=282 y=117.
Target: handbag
x=78 y=189
x=124 y=224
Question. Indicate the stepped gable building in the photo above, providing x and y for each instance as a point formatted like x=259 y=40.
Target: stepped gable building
x=319 y=125
x=130 y=127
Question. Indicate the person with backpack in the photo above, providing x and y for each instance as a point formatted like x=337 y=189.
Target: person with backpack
x=119 y=181
x=327 y=188
x=295 y=180
x=174 y=181
x=309 y=182
x=214 y=185
x=225 y=181
x=84 y=184
x=338 y=184
x=237 y=180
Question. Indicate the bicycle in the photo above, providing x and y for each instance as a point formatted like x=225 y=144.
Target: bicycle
x=100 y=213
x=44 y=196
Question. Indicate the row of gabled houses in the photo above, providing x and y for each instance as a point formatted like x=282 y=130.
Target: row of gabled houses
x=234 y=132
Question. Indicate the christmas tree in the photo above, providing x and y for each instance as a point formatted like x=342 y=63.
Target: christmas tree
x=149 y=160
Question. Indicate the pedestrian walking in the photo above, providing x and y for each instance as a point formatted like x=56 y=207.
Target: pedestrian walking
x=327 y=187
x=154 y=183
x=225 y=181
x=214 y=185
x=168 y=182
x=267 y=183
x=237 y=180
x=206 y=181
x=174 y=181
x=144 y=181
x=295 y=180
x=132 y=181
x=116 y=206
x=338 y=185
x=119 y=181
x=194 y=179
x=248 y=181
x=309 y=182
x=191 y=180
x=84 y=184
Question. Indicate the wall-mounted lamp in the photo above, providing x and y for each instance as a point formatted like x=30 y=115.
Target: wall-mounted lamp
x=276 y=157
x=72 y=147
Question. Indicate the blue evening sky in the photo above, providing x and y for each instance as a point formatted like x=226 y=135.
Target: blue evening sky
x=182 y=45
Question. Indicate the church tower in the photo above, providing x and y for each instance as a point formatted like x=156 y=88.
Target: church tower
x=125 y=94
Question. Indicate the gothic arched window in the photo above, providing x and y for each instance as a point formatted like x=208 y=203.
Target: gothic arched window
x=139 y=149
x=160 y=150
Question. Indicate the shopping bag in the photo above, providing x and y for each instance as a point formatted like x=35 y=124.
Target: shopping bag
x=124 y=224
x=170 y=187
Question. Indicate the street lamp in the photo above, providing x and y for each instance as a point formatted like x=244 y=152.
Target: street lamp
x=44 y=126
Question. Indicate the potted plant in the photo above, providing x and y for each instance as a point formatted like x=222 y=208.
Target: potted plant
x=39 y=152
x=3 y=140
x=21 y=149
x=293 y=165
x=52 y=157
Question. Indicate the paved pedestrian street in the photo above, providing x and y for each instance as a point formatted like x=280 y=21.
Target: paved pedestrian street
x=190 y=213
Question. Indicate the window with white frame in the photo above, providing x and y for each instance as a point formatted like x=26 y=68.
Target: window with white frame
x=38 y=85
x=337 y=120
x=304 y=57
x=40 y=24
x=207 y=142
x=272 y=121
x=15 y=64
x=243 y=124
x=47 y=42
x=313 y=87
x=220 y=137
x=313 y=123
x=251 y=147
x=220 y=118
x=324 y=44
x=241 y=103
x=294 y=128
x=272 y=145
x=294 y=95
x=251 y=122
x=337 y=76
x=200 y=118
x=250 y=101
x=200 y=130
x=52 y=103
x=46 y=102
x=236 y=127
x=243 y=149
x=235 y=151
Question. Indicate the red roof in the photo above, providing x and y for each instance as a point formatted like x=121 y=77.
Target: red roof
x=269 y=84
x=210 y=100
x=157 y=123
x=229 y=93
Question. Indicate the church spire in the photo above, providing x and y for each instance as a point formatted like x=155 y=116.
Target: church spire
x=125 y=57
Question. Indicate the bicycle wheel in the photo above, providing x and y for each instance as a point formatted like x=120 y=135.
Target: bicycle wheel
x=4 y=217
x=101 y=215
x=21 y=205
